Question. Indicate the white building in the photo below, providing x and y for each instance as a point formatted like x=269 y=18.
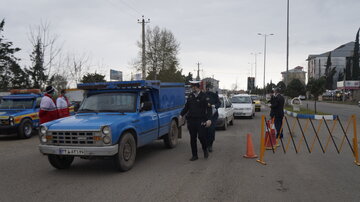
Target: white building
x=339 y=57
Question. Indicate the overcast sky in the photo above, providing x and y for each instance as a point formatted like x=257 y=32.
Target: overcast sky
x=220 y=34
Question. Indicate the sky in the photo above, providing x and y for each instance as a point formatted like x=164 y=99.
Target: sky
x=219 y=34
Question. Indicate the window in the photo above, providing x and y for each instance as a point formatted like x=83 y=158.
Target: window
x=110 y=102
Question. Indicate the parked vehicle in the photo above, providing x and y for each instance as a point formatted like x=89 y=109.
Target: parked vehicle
x=19 y=112
x=257 y=102
x=226 y=113
x=114 y=119
x=243 y=106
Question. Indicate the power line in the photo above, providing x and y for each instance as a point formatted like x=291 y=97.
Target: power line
x=126 y=4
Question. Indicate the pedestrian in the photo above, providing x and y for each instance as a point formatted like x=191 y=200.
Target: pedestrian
x=214 y=102
x=62 y=104
x=277 y=111
x=48 y=110
x=198 y=114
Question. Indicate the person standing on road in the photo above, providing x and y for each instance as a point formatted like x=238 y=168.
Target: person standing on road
x=198 y=114
x=62 y=104
x=48 y=110
x=277 y=111
x=214 y=102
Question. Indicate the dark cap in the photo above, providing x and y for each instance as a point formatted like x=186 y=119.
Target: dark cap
x=49 y=89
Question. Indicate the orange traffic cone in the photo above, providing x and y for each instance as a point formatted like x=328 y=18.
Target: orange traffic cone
x=270 y=138
x=250 y=148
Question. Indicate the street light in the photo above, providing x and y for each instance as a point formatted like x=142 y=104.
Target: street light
x=265 y=35
x=255 y=54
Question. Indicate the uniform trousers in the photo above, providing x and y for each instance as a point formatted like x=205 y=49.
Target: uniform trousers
x=211 y=132
x=278 y=123
x=197 y=130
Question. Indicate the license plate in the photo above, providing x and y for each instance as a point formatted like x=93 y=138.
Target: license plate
x=72 y=151
x=240 y=114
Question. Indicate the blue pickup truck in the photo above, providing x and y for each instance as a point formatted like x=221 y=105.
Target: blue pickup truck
x=19 y=112
x=114 y=119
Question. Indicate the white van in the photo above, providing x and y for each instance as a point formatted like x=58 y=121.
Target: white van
x=243 y=105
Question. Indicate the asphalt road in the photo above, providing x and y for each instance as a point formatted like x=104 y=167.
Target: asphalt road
x=167 y=175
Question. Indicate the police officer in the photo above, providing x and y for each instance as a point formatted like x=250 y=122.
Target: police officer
x=198 y=114
x=277 y=111
x=214 y=102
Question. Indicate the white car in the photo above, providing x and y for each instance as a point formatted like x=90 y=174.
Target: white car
x=243 y=105
x=226 y=113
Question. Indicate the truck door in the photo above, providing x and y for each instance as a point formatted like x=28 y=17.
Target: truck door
x=148 y=120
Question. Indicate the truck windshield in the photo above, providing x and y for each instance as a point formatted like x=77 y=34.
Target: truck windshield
x=109 y=102
x=241 y=99
x=16 y=104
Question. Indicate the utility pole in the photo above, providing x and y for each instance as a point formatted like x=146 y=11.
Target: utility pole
x=143 y=69
x=264 y=35
x=198 y=70
x=255 y=54
x=287 y=46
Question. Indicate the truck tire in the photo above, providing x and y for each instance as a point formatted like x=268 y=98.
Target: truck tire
x=125 y=158
x=60 y=161
x=171 y=139
x=25 y=129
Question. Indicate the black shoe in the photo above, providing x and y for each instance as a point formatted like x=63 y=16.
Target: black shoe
x=206 y=154
x=210 y=149
x=194 y=158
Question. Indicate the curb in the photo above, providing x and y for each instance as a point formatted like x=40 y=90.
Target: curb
x=310 y=116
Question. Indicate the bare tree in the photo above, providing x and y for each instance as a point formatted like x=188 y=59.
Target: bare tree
x=77 y=66
x=50 y=48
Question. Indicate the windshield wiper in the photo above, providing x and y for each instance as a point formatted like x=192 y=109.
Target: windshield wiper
x=88 y=110
x=112 y=110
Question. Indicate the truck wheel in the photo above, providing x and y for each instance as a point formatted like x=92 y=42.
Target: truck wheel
x=25 y=129
x=59 y=161
x=171 y=139
x=124 y=160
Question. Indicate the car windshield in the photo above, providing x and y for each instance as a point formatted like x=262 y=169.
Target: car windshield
x=16 y=103
x=239 y=99
x=254 y=97
x=109 y=102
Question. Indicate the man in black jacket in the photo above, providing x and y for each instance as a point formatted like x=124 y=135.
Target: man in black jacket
x=277 y=111
x=214 y=102
x=198 y=114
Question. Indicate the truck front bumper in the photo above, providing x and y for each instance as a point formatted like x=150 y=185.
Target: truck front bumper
x=81 y=151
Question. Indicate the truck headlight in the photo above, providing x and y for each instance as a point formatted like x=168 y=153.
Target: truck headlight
x=107 y=139
x=106 y=130
x=43 y=138
x=11 y=120
x=43 y=130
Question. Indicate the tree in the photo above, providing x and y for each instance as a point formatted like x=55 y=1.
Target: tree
x=58 y=81
x=295 y=88
x=93 y=77
x=161 y=51
x=316 y=87
x=329 y=73
x=37 y=70
x=348 y=70
x=356 y=68
x=171 y=75
x=10 y=72
x=77 y=66
x=188 y=78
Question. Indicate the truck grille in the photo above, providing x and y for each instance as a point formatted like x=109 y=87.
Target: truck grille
x=72 y=138
x=4 y=122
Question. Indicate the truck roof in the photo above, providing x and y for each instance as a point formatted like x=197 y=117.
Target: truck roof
x=21 y=96
x=155 y=84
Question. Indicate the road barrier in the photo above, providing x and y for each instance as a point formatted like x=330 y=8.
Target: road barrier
x=329 y=133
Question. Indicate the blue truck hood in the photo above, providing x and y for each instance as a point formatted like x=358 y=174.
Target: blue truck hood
x=88 y=121
x=4 y=112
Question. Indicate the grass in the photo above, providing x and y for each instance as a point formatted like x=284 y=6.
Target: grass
x=304 y=111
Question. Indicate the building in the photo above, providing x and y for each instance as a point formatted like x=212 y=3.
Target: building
x=339 y=58
x=214 y=82
x=296 y=73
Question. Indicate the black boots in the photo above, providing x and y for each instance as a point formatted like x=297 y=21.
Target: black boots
x=194 y=158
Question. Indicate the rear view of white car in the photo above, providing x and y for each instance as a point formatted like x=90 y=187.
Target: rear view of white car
x=243 y=106
x=226 y=113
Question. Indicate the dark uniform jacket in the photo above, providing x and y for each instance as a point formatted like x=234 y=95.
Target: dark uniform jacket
x=197 y=107
x=277 y=106
x=213 y=99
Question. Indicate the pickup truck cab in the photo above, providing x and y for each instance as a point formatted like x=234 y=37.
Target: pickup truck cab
x=19 y=112
x=114 y=119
